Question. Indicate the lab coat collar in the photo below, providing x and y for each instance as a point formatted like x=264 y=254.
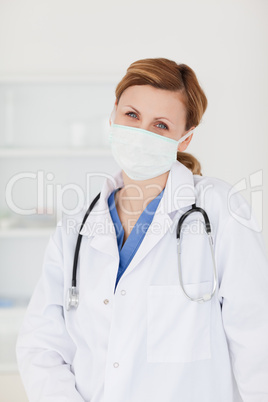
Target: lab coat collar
x=179 y=193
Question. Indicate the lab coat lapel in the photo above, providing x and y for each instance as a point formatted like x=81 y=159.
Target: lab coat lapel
x=179 y=193
x=99 y=226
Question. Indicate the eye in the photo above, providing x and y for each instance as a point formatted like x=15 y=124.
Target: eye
x=164 y=126
x=130 y=114
x=134 y=115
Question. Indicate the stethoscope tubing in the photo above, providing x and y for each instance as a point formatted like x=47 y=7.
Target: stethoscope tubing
x=77 y=248
x=73 y=294
x=207 y=296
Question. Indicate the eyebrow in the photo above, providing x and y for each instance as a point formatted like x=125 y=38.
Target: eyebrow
x=156 y=118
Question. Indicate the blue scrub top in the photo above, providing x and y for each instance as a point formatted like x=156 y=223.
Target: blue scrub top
x=131 y=245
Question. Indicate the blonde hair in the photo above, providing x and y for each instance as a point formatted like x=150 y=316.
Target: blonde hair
x=167 y=74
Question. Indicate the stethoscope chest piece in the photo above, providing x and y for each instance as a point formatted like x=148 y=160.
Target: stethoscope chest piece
x=72 y=298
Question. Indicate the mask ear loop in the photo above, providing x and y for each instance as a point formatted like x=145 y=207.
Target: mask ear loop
x=112 y=116
x=185 y=136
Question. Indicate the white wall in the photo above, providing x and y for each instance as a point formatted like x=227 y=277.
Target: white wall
x=225 y=42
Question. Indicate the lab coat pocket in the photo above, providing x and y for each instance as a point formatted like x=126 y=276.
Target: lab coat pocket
x=178 y=329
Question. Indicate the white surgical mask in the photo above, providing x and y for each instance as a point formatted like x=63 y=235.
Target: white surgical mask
x=142 y=154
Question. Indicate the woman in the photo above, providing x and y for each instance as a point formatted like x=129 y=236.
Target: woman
x=137 y=335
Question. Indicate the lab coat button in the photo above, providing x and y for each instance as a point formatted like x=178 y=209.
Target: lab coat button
x=123 y=292
x=106 y=301
x=116 y=364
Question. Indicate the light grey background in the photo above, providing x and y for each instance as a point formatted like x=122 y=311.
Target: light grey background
x=224 y=41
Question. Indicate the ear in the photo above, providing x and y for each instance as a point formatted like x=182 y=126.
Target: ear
x=183 y=145
x=111 y=119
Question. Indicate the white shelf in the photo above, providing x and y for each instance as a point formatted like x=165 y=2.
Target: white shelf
x=26 y=232
x=8 y=368
x=58 y=78
x=69 y=152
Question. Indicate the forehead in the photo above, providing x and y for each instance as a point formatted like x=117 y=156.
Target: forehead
x=154 y=101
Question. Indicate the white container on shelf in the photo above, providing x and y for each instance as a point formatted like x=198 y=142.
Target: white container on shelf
x=105 y=131
x=78 y=134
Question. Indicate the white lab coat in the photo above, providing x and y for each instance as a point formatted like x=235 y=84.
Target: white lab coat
x=147 y=342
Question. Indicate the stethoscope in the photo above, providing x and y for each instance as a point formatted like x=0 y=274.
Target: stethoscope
x=72 y=299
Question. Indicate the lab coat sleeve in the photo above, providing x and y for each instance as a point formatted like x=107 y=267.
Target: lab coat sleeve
x=44 y=349
x=243 y=265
